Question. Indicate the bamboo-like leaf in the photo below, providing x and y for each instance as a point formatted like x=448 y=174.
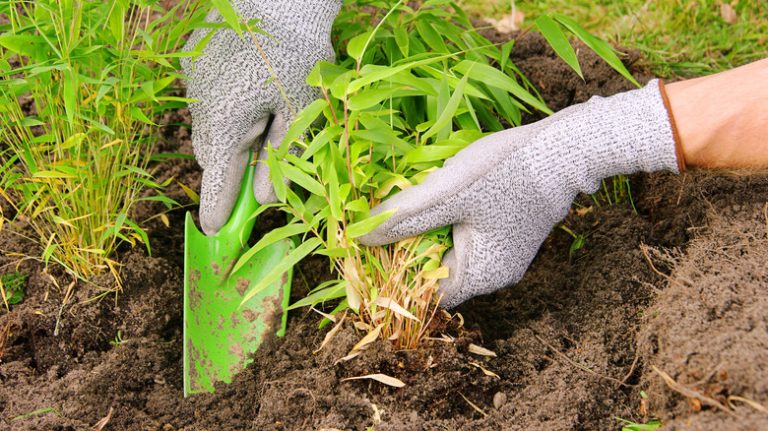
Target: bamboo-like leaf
x=329 y=336
x=230 y=15
x=494 y=77
x=191 y=194
x=357 y=44
x=277 y=272
x=382 y=378
x=482 y=351
x=430 y=36
x=334 y=291
x=368 y=339
x=431 y=153
x=395 y=308
x=601 y=47
x=301 y=178
x=373 y=73
x=363 y=227
x=302 y=122
x=485 y=371
x=559 y=42
x=268 y=239
x=437 y=273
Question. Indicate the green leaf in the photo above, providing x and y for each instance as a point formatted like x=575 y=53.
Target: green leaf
x=301 y=178
x=276 y=175
x=302 y=122
x=268 y=239
x=430 y=36
x=363 y=227
x=13 y=284
x=281 y=268
x=230 y=15
x=496 y=78
x=447 y=114
x=506 y=52
x=431 y=153
x=372 y=73
x=357 y=45
x=559 y=42
x=402 y=39
x=327 y=291
x=70 y=95
x=601 y=47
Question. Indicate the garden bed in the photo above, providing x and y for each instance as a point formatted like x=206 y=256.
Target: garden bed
x=679 y=285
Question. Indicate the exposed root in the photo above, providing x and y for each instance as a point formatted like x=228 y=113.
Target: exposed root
x=584 y=367
x=754 y=404
x=691 y=393
x=474 y=406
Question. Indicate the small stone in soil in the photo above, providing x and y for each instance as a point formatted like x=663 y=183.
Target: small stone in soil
x=499 y=399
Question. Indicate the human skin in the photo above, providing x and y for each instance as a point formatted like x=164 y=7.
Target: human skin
x=722 y=119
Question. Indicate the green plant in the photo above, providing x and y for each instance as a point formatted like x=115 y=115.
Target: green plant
x=12 y=288
x=80 y=84
x=118 y=340
x=403 y=97
x=651 y=425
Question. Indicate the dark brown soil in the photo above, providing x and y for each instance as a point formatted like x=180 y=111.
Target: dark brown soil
x=680 y=285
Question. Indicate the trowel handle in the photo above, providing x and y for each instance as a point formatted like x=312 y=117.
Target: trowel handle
x=240 y=223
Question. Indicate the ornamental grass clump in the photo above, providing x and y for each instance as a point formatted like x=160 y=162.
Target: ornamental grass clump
x=80 y=84
x=402 y=97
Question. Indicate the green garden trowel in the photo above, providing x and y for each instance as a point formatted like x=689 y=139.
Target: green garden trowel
x=220 y=330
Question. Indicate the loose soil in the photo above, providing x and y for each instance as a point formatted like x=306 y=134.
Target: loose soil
x=677 y=288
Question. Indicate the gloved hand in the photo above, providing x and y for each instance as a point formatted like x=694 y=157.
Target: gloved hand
x=505 y=192
x=241 y=106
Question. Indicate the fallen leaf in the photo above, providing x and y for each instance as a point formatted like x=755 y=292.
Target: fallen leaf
x=382 y=378
x=482 y=351
x=330 y=317
x=349 y=357
x=581 y=212
x=368 y=339
x=728 y=13
x=508 y=23
x=329 y=336
x=104 y=421
x=485 y=371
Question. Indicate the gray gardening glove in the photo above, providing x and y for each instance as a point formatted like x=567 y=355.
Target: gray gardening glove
x=240 y=105
x=505 y=192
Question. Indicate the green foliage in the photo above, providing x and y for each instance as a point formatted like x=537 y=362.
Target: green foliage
x=80 y=84
x=402 y=98
x=118 y=340
x=551 y=27
x=651 y=425
x=12 y=287
x=405 y=95
x=677 y=37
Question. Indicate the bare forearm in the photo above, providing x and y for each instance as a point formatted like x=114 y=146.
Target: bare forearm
x=722 y=119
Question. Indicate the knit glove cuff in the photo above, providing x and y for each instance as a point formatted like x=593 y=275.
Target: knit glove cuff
x=607 y=136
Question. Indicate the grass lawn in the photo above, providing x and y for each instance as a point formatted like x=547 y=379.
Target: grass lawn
x=678 y=37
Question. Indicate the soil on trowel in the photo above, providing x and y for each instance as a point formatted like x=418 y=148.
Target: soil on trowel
x=661 y=314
